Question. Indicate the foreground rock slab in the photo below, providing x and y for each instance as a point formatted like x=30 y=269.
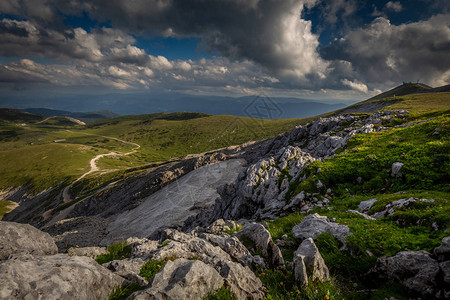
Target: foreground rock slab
x=55 y=277
x=174 y=203
x=16 y=238
x=182 y=279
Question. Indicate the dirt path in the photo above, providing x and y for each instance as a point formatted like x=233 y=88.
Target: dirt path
x=93 y=163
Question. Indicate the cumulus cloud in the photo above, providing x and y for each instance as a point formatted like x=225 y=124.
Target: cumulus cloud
x=270 y=33
x=385 y=54
x=358 y=86
x=394 y=6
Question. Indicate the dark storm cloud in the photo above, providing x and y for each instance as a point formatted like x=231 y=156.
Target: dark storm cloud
x=385 y=53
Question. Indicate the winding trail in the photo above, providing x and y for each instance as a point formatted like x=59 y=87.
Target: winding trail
x=93 y=163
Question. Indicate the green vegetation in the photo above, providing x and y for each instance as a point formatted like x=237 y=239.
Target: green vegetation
x=122 y=292
x=222 y=294
x=6 y=207
x=153 y=266
x=283 y=286
x=116 y=251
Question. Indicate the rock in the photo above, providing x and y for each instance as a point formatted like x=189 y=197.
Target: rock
x=219 y=226
x=128 y=269
x=144 y=249
x=390 y=208
x=182 y=279
x=443 y=251
x=415 y=269
x=55 y=277
x=367 y=217
x=231 y=245
x=319 y=185
x=314 y=225
x=125 y=266
x=396 y=169
x=365 y=206
x=313 y=261
x=295 y=201
x=91 y=252
x=299 y=267
x=181 y=245
x=241 y=280
x=16 y=238
x=262 y=239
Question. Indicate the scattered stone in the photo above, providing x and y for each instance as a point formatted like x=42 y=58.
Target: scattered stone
x=91 y=252
x=16 y=238
x=182 y=279
x=315 y=265
x=231 y=245
x=396 y=169
x=314 y=225
x=390 y=208
x=55 y=277
x=365 y=206
x=415 y=269
x=365 y=216
x=262 y=239
x=144 y=249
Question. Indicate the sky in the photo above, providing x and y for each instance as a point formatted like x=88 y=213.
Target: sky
x=314 y=49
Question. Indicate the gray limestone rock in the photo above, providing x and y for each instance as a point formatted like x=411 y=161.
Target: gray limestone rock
x=396 y=169
x=16 y=238
x=91 y=252
x=415 y=269
x=365 y=206
x=263 y=240
x=182 y=279
x=241 y=280
x=315 y=265
x=55 y=277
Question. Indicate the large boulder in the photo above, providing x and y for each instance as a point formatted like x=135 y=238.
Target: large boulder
x=443 y=251
x=16 y=238
x=241 y=280
x=262 y=239
x=314 y=225
x=182 y=279
x=415 y=269
x=128 y=269
x=55 y=277
x=308 y=255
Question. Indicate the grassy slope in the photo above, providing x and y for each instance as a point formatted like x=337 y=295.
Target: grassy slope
x=426 y=173
x=162 y=136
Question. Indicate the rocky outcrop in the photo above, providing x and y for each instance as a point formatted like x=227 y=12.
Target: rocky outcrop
x=261 y=191
x=18 y=238
x=417 y=271
x=262 y=240
x=314 y=225
x=182 y=279
x=307 y=260
x=55 y=277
